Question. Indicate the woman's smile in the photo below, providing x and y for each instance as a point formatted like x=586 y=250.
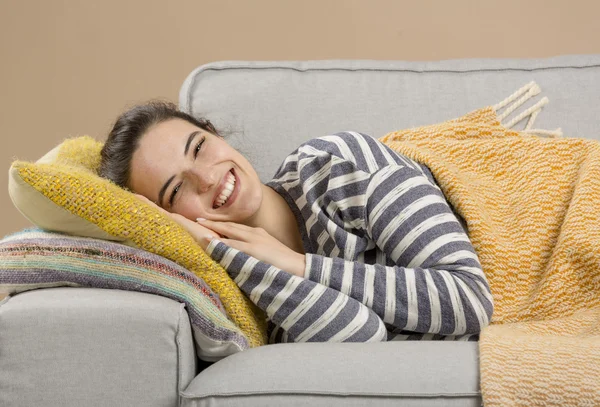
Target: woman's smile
x=228 y=191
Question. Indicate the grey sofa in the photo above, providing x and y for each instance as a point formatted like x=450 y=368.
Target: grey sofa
x=92 y=347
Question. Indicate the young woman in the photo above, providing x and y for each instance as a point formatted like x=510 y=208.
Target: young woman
x=350 y=241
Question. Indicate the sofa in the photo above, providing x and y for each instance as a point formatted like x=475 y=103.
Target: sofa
x=74 y=346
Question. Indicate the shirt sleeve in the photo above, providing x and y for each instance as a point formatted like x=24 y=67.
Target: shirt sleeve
x=299 y=309
x=430 y=281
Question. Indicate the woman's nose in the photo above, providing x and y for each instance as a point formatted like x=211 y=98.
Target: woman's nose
x=204 y=178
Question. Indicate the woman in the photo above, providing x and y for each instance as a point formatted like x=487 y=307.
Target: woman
x=350 y=241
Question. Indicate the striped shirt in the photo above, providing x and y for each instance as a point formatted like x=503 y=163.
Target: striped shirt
x=386 y=256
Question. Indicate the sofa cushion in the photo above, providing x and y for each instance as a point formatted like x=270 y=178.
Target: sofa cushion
x=271 y=107
x=33 y=259
x=62 y=192
x=413 y=373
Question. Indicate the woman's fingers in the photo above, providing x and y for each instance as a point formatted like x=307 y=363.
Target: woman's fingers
x=143 y=198
x=198 y=230
x=232 y=225
x=230 y=229
x=201 y=233
x=217 y=229
x=149 y=202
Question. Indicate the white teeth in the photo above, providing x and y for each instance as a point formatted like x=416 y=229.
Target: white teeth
x=227 y=190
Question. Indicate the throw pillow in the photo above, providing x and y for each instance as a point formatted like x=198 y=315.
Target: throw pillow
x=62 y=192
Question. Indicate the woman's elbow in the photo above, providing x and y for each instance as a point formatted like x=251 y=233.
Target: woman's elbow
x=488 y=307
x=482 y=318
x=481 y=307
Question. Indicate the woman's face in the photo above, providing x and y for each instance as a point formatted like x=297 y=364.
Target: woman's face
x=194 y=173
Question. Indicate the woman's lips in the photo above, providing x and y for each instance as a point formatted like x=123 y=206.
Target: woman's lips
x=235 y=192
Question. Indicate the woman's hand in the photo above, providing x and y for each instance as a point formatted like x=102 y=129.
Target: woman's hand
x=257 y=243
x=201 y=234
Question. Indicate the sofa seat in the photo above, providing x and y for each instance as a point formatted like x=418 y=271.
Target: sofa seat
x=93 y=347
x=69 y=346
x=415 y=373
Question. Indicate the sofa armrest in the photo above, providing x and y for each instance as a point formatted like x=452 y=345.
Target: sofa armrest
x=72 y=346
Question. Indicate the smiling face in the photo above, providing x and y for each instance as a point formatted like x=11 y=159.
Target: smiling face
x=194 y=173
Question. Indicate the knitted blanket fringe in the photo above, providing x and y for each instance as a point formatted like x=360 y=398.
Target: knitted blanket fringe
x=531 y=201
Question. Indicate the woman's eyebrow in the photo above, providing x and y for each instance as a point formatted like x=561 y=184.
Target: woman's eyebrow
x=189 y=141
x=161 y=194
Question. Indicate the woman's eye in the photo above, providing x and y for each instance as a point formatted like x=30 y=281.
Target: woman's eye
x=197 y=149
x=172 y=198
x=176 y=189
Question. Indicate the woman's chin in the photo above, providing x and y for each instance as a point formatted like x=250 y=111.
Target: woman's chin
x=245 y=209
x=245 y=216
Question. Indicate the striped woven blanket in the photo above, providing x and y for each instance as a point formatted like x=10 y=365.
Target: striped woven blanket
x=36 y=259
x=532 y=207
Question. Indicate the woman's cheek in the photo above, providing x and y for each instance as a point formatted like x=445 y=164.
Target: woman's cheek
x=191 y=209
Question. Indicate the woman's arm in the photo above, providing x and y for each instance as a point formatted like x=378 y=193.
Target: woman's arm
x=299 y=310
x=433 y=282
x=441 y=289
x=305 y=310
x=426 y=276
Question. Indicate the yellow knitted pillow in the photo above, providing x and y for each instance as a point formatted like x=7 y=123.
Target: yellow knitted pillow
x=62 y=192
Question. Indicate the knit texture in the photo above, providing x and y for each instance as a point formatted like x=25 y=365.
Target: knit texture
x=33 y=259
x=71 y=182
x=532 y=207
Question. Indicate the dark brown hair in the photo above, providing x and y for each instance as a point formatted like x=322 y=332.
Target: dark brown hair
x=124 y=138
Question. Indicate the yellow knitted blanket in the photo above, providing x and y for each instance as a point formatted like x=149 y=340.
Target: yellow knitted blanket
x=532 y=207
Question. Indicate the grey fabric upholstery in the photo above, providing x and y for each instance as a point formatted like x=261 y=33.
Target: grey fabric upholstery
x=346 y=374
x=93 y=347
x=271 y=107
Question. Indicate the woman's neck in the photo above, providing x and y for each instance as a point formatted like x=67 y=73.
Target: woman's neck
x=277 y=219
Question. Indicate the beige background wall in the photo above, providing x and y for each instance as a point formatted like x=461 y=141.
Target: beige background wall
x=69 y=67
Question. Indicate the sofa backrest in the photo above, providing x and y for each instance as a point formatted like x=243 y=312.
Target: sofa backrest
x=269 y=108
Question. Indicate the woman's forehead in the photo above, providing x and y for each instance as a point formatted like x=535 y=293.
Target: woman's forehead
x=165 y=139
x=173 y=129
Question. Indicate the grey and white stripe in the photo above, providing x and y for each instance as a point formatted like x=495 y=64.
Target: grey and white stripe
x=408 y=269
x=305 y=310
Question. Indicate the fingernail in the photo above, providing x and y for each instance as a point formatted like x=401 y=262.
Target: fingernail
x=200 y=219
